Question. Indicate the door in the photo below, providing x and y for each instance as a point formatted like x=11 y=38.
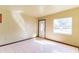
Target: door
x=42 y=28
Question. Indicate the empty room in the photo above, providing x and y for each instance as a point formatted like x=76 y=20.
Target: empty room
x=39 y=28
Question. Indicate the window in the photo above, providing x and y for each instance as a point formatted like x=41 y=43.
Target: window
x=63 y=25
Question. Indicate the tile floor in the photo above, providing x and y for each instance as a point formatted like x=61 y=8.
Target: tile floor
x=38 y=45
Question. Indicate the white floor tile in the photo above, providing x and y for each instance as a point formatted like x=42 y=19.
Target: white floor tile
x=38 y=45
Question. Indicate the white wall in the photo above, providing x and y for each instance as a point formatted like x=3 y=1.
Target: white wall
x=11 y=31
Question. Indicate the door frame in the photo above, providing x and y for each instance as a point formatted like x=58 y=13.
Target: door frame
x=44 y=28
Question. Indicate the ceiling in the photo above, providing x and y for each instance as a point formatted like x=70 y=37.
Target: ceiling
x=39 y=10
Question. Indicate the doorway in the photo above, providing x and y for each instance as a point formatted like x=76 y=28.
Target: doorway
x=42 y=28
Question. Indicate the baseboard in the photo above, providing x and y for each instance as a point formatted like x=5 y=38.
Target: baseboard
x=60 y=42
x=39 y=37
x=15 y=42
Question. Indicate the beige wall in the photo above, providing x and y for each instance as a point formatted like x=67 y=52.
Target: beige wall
x=70 y=39
x=10 y=30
